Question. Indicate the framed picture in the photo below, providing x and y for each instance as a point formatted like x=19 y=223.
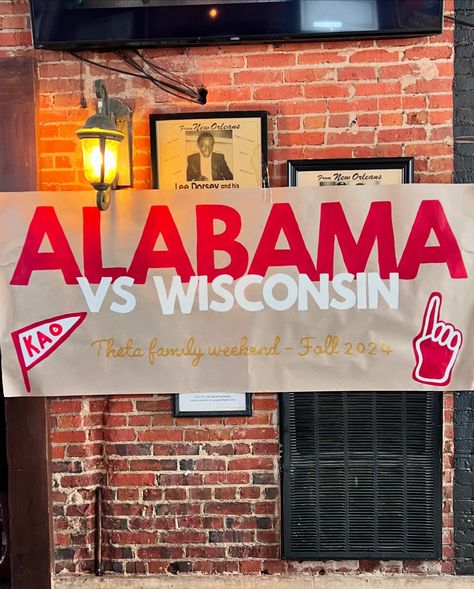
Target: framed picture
x=334 y=172
x=209 y=150
x=212 y=404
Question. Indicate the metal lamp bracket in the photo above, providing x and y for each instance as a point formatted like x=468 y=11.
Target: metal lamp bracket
x=121 y=114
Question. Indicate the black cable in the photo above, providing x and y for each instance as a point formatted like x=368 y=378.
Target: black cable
x=163 y=72
x=184 y=87
x=132 y=63
x=184 y=90
x=179 y=88
x=166 y=86
x=459 y=21
x=105 y=67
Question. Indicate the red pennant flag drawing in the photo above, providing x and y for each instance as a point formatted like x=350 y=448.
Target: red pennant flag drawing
x=37 y=341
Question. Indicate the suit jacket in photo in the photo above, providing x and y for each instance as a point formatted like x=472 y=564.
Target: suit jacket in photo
x=220 y=169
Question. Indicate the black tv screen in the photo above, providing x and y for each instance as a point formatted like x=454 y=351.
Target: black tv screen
x=106 y=24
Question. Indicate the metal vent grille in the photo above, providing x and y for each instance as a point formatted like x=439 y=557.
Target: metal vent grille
x=361 y=475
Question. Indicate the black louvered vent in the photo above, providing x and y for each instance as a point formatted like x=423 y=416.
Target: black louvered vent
x=361 y=475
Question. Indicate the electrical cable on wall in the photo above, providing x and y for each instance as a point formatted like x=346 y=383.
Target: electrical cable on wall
x=459 y=21
x=170 y=83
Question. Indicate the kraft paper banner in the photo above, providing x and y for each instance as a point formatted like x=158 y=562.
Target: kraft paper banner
x=293 y=289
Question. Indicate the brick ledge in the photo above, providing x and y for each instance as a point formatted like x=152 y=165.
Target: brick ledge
x=268 y=582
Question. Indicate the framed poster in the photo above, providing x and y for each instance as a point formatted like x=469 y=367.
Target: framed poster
x=334 y=172
x=212 y=404
x=209 y=150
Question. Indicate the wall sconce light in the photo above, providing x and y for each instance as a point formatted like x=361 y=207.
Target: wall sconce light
x=101 y=142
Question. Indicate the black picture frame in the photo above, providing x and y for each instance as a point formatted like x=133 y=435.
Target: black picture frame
x=241 y=137
x=324 y=172
x=180 y=411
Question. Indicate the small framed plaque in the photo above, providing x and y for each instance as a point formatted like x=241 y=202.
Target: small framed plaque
x=351 y=171
x=212 y=404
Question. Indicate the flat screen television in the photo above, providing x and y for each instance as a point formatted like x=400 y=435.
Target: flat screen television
x=107 y=24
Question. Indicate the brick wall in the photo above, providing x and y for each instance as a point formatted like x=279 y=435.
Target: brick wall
x=463 y=82
x=325 y=100
x=464 y=482
x=203 y=495
x=187 y=494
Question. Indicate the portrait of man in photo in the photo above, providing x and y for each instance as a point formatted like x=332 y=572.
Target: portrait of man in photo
x=207 y=164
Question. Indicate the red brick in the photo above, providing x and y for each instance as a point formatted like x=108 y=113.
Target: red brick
x=200 y=494
x=162 y=420
x=369 y=120
x=414 y=102
x=395 y=72
x=304 y=138
x=227 y=94
x=184 y=537
x=62 y=407
x=206 y=464
x=377 y=88
x=391 y=120
x=162 y=404
x=441 y=164
x=14 y=39
x=359 y=105
x=58 y=452
x=67 y=437
x=271 y=60
x=225 y=493
x=152 y=494
x=440 y=117
x=254 y=433
x=303 y=107
x=428 y=149
x=251 y=464
x=258 y=77
x=132 y=480
x=438 y=85
x=222 y=63
x=258 y=419
x=351 y=138
x=320 y=57
x=389 y=103
x=69 y=421
x=127 y=495
x=304 y=75
x=374 y=56
x=250 y=566
x=399 y=135
x=326 y=90
x=267 y=449
x=227 y=478
x=249 y=493
x=84 y=480
x=226 y=508
x=265 y=508
x=160 y=435
x=441 y=133
x=355 y=73
x=205 y=552
x=265 y=402
x=429 y=52
x=167 y=480
x=139 y=538
x=204 y=435
x=278 y=92
x=440 y=101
